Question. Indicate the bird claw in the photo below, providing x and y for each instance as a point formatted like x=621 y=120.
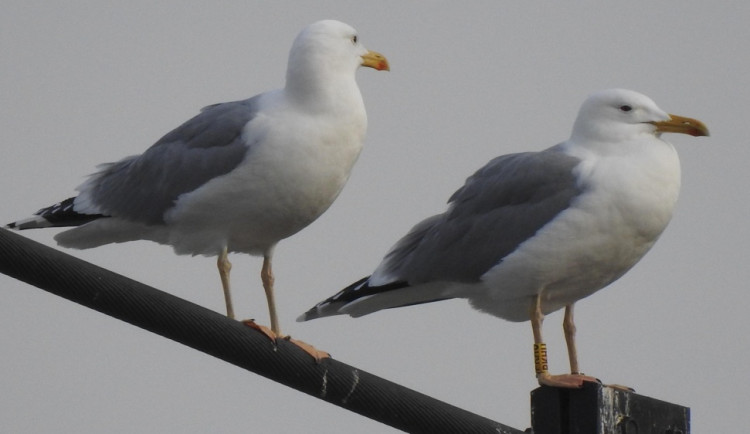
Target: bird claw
x=261 y=328
x=315 y=353
x=568 y=381
x=621 y=387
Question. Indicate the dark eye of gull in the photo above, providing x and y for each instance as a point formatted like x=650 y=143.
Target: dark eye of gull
x=626 y=108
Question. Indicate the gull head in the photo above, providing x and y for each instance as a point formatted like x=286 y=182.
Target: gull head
x=331 y=48
x=619 y=114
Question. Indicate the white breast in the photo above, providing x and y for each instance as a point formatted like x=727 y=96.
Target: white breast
x=627 y=202
x=289 y=178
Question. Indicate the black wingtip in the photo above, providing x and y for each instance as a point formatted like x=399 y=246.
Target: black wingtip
x=309 y=315
x=60 y=214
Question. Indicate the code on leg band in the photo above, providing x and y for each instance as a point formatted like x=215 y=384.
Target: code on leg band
x=540 y=358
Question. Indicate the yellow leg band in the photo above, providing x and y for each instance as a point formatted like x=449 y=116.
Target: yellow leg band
x=540 y=358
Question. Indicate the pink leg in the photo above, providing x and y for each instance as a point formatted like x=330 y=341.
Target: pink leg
x=266 y=275
x=224 y=268
x=543 y=376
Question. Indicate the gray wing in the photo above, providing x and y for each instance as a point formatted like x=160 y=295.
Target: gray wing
x=500 y=206
x=143 y=187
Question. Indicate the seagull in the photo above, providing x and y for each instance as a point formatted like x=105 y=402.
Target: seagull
x=239 y=176
x=534 y=232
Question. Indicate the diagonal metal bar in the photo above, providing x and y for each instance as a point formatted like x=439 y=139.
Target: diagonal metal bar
x=212 y=333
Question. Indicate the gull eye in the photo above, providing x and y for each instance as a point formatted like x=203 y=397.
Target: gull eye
x=354 y=39
x=625 y=108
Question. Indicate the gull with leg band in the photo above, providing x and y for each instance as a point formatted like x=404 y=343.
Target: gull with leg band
x=531 y=233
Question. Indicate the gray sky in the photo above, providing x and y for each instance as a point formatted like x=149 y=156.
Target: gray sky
x=86 y=84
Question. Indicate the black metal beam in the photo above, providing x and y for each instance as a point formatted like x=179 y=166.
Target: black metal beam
x=212 y=333
x=599 y=409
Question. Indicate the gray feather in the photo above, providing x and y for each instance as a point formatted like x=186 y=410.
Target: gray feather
x=503 y=204
x=141 y=188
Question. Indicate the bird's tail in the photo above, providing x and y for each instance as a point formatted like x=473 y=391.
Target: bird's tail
x=332 y=305
x=359 y=299
x=60 y=214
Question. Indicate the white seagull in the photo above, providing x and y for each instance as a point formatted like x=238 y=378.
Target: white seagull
x=534 y=232
x=240 y=176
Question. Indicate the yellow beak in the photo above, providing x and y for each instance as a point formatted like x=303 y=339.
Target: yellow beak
x=373 y=59
x=683 y=125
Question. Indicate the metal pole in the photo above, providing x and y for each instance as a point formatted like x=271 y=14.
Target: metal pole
x=215 y=334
